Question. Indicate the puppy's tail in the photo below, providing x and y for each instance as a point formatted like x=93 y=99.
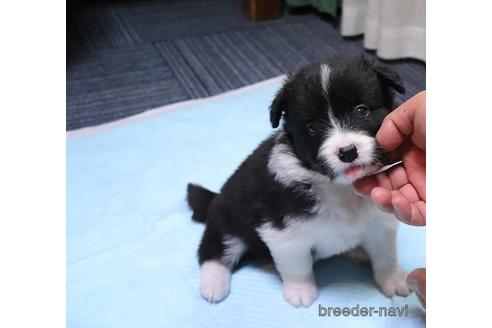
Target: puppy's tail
x=199 y=200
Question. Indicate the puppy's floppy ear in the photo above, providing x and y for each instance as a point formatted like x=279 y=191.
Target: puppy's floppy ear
x=389 y=77
x=278 y=105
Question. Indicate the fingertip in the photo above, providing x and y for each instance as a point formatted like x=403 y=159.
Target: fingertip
x=383 y=180
x=364 y=186
x=388 y=135
x=382 y=198
x=381 y=195
x=422 y=209
x=398 y=125
x=417 y=218
x=398 y=176
x=402 y=209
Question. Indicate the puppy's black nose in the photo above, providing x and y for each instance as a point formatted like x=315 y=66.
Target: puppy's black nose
x=348 y=154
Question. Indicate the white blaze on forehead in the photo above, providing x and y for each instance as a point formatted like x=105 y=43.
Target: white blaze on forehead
x=324 y=73
x=325 y=81
x=336 y=124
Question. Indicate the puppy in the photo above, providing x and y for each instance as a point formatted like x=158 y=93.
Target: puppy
x=292 y=200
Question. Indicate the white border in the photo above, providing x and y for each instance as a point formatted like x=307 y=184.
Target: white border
x=32 y=139
x=169 y=108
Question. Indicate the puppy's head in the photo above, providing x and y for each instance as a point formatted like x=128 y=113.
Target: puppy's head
x=331 y=114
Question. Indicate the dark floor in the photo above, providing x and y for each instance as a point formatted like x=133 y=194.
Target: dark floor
x=125 y=57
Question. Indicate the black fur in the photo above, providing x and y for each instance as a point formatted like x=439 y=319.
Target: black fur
x=251 y=196
x=199 y=199
x=245 y=202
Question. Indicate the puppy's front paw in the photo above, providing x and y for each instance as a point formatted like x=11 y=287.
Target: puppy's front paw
x=215 y=281
x=393 y=283
x=300 y=293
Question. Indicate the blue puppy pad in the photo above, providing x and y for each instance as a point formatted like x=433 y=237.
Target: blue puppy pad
x=131 y=245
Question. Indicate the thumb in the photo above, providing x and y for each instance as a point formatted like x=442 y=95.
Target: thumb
x=405 y=122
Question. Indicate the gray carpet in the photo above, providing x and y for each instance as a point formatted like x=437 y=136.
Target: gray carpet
x=124 y=58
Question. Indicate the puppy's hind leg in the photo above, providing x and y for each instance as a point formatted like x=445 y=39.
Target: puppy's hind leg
x=215 y=281
x=218 y=254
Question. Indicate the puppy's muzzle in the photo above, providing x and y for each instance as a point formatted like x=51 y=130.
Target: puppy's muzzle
x=348 y=153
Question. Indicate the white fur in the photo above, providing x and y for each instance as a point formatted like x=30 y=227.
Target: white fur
x=343 y=221
x=287 y=168
x=336 y=124
x=324 y=73
x=234 y=249
x=300 y=292
x=338 y=137
x=215 y=281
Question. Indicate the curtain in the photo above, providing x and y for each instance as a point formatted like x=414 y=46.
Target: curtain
x=394 y=28
x=326 y=6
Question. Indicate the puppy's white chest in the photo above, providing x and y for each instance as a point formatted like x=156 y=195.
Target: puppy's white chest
x=341 y=221
x=333 y=231
x=338 y=225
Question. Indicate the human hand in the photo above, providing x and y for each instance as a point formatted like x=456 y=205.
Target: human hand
x=416 y=283
x=401 y=190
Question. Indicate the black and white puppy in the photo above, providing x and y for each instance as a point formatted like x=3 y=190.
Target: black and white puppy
x=292 y=199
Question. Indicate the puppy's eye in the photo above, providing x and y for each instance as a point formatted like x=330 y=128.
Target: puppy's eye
x=311 y=129
x=362 y=110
